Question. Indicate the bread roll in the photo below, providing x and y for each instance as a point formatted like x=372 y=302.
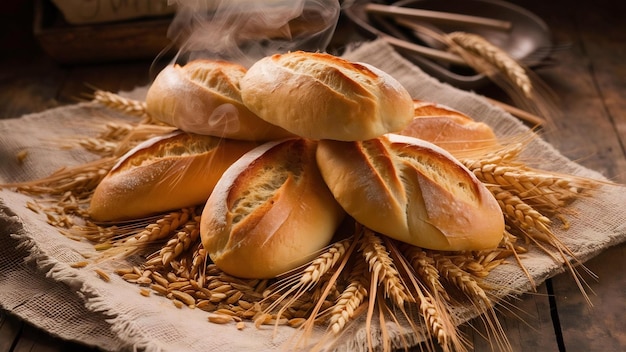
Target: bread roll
x=164 y=173
x=413 y=191
x=271 y=212
x=321 y=96
x=203 y=97
x=448 y=128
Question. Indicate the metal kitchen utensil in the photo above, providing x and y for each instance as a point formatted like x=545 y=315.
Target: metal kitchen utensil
x=528 y=40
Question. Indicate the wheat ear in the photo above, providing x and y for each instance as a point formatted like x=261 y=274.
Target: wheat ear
x=432 y=309
x=462 y=42
x=80 y=180
x=461 y=279
x=476 y=294
x=300 y=280
x=425 y=268
x=126 y=243
x=381 y=266
x=351 y=298
x=181 y=241
x=122 y=104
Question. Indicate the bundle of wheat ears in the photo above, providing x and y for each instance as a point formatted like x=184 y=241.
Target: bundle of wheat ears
x=362 y=273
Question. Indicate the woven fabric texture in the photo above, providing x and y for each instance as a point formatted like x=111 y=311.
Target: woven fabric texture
x=39 y=285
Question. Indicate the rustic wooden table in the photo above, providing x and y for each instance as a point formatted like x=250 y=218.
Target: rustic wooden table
x=589 y=77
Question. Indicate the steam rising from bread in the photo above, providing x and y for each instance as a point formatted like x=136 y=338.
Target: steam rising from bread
x=244 y=31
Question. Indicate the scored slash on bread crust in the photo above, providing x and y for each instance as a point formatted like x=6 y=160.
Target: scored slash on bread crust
x=413 y=191
x=167 y=172
x=320 y=96
x=270 y=212
x=204 y=97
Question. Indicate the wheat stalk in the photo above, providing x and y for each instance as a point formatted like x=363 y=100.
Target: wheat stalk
x=181 y=241
x=323 y=263
x=79 y=180
x=352 y=297
x=547 y=191
x=463 y=42
x=425 y=268
x=461 y=279
x=119 y=103
x=159 y=229
x=127 y=242
x=381 y=266
x=520 y=214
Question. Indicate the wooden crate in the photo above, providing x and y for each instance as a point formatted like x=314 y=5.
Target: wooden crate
x=97 y=43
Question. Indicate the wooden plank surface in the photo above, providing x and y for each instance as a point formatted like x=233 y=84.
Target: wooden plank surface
x=589 y=77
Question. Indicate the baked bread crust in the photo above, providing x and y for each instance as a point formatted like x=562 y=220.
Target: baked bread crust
x=203 y=97
x=271 y=212
x=448 y=128
x=413 y=191
x=164 y=173
x=320 y=96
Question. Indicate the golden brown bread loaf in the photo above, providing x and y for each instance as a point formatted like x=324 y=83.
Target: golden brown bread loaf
x=320 y=96
x=164 y=173
x=448 y=128
x=203 y=97
x=271 y=211
x=413 y=191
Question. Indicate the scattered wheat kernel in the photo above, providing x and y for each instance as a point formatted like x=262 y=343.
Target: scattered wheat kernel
x=217 y=297
x=159 y=289
x=184 y=297
x=171 y=277
x=281 y=321
x=21 y=155
x=104 y=276
x=160 y=280
x=206 y=306
x=79 y=264
x=144 y=292
x=296 y=322
x=130 y=276
x=261 y=319
x=33 y=206
x=220 y=318
x=222 y=288
x=241 y=325
x=144 y=281
x=178 y=303
x=123 y=271
x=234 y=298
x=225 y=311
x=245 y=304
x=102 y=246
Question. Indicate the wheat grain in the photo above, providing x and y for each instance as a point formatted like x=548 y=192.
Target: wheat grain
x=519 y=213
x=181 y=241
x=493 y=55
x=21 y=156
x=461 y=279
x=79 y=180
x=351 y=298
x=80 y=264
x=424 y=267
x=103 y=275
x=434 y=321
x=183 y=297
x=547 y=191
x=119 y=103
x=324 y=262
x=381 y=266
x=157 y=230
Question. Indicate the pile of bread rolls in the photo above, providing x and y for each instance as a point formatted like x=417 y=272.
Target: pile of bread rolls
x=292 y=146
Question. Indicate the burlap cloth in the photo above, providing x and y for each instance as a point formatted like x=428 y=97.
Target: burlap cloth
x=38 y=284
